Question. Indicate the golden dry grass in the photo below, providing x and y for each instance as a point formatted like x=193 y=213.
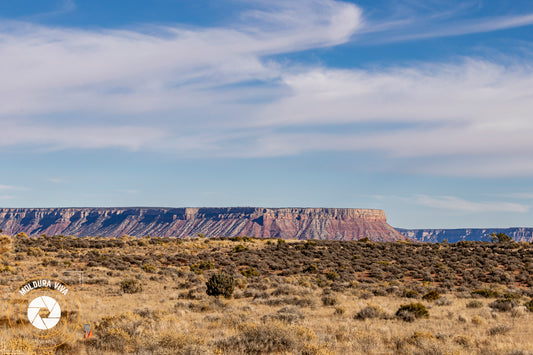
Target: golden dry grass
x=268 y=314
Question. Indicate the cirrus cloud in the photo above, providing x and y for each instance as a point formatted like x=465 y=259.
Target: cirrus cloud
x=221 y=92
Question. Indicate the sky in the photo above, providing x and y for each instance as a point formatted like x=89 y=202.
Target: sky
x=422 y=108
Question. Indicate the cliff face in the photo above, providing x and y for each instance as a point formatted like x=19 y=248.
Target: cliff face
x=299 y=223
x=457 y=235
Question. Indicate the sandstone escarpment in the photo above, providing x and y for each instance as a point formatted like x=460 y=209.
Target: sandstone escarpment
x=519 y=234
x=287 y=223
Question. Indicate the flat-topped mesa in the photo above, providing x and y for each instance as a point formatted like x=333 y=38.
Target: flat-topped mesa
x=287 y=223
x=254 y=212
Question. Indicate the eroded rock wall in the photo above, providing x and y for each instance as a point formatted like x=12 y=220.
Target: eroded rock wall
x=287 y=223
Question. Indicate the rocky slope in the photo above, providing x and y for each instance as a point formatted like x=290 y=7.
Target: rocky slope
x=299 y=223
x=457 y=235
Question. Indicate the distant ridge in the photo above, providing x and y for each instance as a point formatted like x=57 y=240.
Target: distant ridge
x=287 y=223
x=519 y=234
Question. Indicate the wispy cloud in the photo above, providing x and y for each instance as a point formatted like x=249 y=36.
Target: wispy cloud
x=64 y=7
x=218 y=92
x=457 y=204
x=459 y=28
x=12 y=188
x=416 y=20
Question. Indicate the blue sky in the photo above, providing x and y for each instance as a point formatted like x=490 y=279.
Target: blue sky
x=420 y=108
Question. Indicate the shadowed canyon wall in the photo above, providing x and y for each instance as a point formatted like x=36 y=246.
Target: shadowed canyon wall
x=287 y=223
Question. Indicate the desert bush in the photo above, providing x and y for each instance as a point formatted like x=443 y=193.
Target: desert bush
x=485 y=293
x=474 y=304
x=443 y=301
x=332 y=275
x=339 y=311
x=529 y=305
x=149 y=267
x=410 y=293
x=310 y=269
x=6 y=243
x=406 y=316
x=499 y=329
x=329 y=300
x=290 y=290
x=287 y=300
x=35 y=251
x=200 y=266
x=271 y=337
x=418 y=310
x=288 y=314
x=250 y=272
x=131 y=286
x=239 y=248
x=503 y=304
x=369 y=312
x=431 y=296
x=518 y=312
x=220 y=285
x=116 y=333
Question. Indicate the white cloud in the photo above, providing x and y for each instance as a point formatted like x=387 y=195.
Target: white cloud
x=61 y=69
x=217 y=92
x=457 y=204
x=480 y=25
x=11 y=188
x=416 y=20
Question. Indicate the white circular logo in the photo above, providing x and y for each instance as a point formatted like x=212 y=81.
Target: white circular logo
x=54 y=312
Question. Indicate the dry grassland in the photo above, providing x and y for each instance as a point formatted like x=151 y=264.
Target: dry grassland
x=294 y=297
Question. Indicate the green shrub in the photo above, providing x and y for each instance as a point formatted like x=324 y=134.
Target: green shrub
x=200 y=266
x=418 y=310
x=311 y=269
x=220 y=285
x=500 y=238
x=149 y=268
x=410 y=293
x=131 y=286
x=431 y=296
x=332 y=275
x=250 y=272
x=239 y=248
x=486 y=293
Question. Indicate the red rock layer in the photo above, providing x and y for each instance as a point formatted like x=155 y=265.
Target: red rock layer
x=287 y=223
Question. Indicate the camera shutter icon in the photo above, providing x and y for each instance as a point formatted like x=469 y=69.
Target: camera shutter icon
x=53 y=317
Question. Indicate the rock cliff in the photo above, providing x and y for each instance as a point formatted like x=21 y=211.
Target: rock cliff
x=287 y=223
x=456 y=235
